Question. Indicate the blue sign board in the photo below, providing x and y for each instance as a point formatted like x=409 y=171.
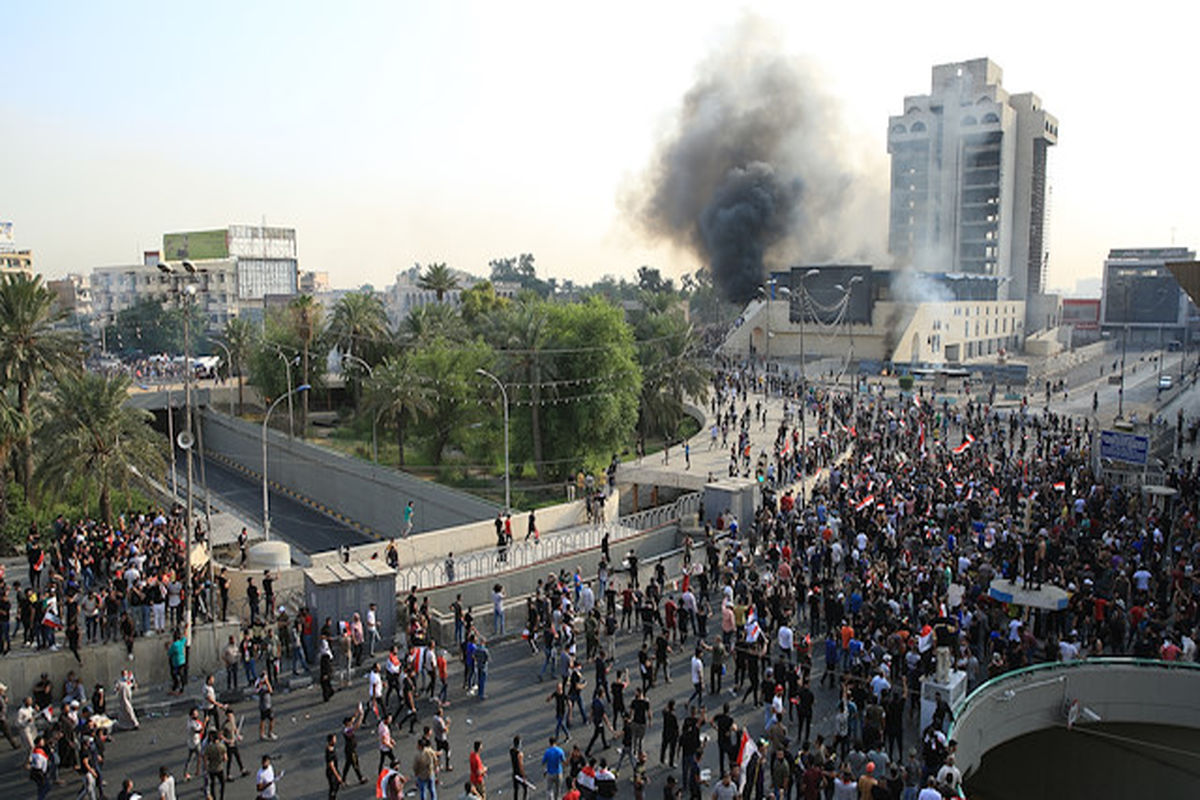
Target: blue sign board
x=1127 y=447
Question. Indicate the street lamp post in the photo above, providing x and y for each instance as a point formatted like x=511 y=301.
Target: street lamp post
x=304 y=387
x=287 y=370
x=504 y=396
x=848 y=290
x=374 y=419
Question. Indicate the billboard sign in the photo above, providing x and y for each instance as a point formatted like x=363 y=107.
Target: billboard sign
x=1127 y=447
x=196 y=245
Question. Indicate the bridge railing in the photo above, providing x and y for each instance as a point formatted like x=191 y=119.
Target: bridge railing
x=523 y=553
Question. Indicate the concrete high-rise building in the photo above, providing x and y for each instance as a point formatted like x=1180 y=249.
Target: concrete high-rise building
x=969 y=190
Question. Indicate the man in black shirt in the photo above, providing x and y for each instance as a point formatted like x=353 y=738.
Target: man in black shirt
x=252 y=599
x=725 y=726
x=639 y=711
x=670 y=735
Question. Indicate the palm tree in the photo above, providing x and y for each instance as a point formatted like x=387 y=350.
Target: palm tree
x=438 y=279
x=13 y=425
x=240 y=336
x=672 y=371
x=397 y=394
x=92 y=435
x=524 y=331
x=426 y=323
x=32 y=346
x=359 y=327
x=305 y=314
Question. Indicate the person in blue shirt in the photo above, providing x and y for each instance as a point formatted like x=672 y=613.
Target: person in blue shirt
x=552 y=763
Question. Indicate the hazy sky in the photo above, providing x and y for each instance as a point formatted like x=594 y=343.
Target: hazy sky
x=394 y=132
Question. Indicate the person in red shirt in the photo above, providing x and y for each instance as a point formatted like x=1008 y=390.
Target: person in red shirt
x=478 y=770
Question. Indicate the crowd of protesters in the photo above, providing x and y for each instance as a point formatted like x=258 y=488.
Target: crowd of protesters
x=886 y=520
x=88 y=582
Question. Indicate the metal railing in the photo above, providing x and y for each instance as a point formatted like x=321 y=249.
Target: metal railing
x=529 y=552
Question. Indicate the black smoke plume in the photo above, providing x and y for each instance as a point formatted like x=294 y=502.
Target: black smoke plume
x=754 y=169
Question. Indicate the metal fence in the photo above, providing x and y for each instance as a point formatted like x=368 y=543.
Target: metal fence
x=526 y=553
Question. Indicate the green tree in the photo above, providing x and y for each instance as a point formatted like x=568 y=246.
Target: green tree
x=149 y=326
x=520 y=334
x=31 y=347
x=429 y=322
x=92 y=436
x=358 y=327
x=241 y=337
x=479 y=302
x=13 y=427
x=448 y=370
x=590 y=410
x=520 y=270
x=305 y=317
x=398 y=395
x=439 y=279
x=672 y=369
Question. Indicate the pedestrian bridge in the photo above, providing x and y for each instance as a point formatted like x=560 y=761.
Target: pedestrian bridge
x=1086 y=696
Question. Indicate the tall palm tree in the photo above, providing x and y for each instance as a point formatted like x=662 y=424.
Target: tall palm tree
x=671 y=371
x=92 y=435
x=240 y=337
x=13 y=425
x=31 y=347
x=359 y=327
x=397 y=394
x=438 y=279
x=305 y=314
x=523 y=331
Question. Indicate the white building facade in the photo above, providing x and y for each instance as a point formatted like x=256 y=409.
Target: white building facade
x=969 y=188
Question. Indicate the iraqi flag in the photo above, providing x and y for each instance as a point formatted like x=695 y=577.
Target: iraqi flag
x=747 y=750
x=381 y=782
x=753 y=629
x=52 y=620
x=865 y=502
x=1060 y=486
x=966 y=444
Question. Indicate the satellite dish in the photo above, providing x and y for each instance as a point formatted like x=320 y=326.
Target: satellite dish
x=185 y=440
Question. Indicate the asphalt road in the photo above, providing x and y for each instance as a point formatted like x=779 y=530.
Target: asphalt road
x=516 y=704
x=302 y=527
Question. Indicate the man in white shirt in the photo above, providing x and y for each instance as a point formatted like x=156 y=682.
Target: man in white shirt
x=785 y=642
x=697 y=678
x=166 y=784
x=375 y=691
x=264 y=780
x=372 y=629
x=949 y=777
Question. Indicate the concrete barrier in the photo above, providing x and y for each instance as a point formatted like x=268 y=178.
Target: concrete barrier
x=104 y=663
x=367 y=496
x=1039 y=697
x=432 y=546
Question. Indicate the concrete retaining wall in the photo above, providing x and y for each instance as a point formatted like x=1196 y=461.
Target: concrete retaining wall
x=367 y=494
x=103 y=663
x=422 y=547
x=1117 y=689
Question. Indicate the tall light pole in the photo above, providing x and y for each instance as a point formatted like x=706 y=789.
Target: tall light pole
x=375 y=419
x=803 y=313
x=287 y=369
x=504 y=395
x=304 y=387
x=848 y=290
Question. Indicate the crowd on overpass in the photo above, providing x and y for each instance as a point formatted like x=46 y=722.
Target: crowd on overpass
x=88 y=582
